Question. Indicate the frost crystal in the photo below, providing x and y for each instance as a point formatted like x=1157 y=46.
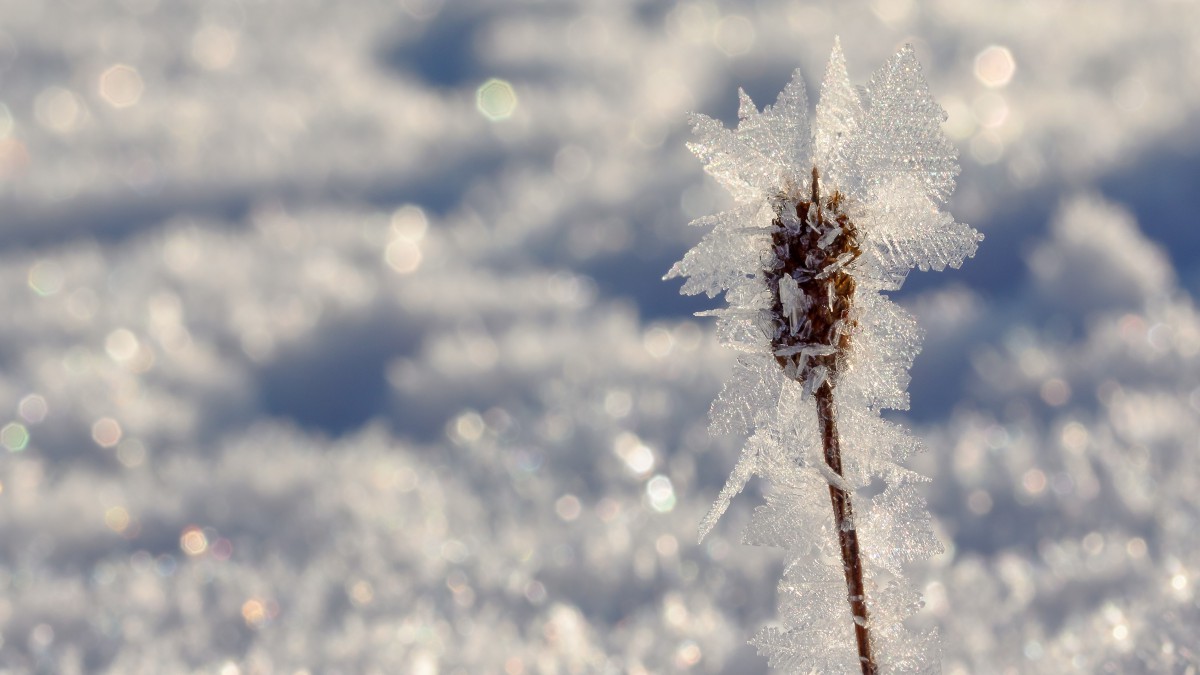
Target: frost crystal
x=828 y=219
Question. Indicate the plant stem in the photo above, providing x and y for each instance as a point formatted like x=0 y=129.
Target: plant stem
x=810 y=264
x=843 y=518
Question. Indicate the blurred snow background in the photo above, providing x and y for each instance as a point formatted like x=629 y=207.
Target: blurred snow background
x=334 y=339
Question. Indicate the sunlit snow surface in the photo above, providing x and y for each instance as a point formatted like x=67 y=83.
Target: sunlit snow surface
x=334 y=340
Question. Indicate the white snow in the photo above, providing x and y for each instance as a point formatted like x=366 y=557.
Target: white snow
x=261 y=417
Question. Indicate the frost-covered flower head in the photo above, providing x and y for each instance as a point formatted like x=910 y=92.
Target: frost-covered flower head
x=856 y=195
x=830 y=215
x=828 y=212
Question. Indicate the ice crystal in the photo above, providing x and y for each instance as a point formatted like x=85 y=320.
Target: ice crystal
x=829 y=216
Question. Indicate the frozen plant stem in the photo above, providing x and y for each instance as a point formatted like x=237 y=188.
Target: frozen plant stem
x=808 y=271
x=843 y=518
x=831 y=215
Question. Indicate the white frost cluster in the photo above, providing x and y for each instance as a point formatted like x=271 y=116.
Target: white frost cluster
x=883 y=150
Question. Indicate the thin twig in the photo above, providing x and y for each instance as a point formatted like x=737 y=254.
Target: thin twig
x=843 y=519
x=810 y=263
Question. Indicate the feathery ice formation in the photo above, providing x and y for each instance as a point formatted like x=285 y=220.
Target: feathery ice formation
x=829 y=216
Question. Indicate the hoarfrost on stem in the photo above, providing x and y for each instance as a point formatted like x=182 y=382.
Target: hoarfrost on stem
x=829 y=216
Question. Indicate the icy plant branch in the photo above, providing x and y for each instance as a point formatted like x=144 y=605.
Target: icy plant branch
x=830 y=216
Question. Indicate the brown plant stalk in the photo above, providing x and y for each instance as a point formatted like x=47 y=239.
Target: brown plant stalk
x=812 y=297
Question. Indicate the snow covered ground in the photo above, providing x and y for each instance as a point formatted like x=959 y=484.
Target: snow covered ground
x=335 y=340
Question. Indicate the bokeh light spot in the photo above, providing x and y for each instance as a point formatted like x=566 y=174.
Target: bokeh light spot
x=567 y=507
x=117 y=519
x=618 y=403
x=455 y=551
x=82 y=304
x=1034 y=481
x=1055 y=392
x=692 y=22
x=1179 y=582
x=41 y=637
x=222 y=549
x=33 y=408
x=361 y=593
x=468 y=427
x=58 y=110
x=638 y=457
x=675 y=611
x=14 y=436
x=131 y=452
x=1075 y=437
x=106 y=432
x=661 y=493
x=687 y=655
x=734 y=35
x=960 y=119
x=496 y=100
x=1136 y=548
x=979 y=502
x=121 y=345
x=1033 y=650
x=995 y=66
x=460 y=586
x=514 y=666
x=121 y=86
x=986 y=147
x=254 y=612
x=193 y=541
x=403 y=255
x=46 y=277
x=990 y=110
x=535 y=592
x=658 y=342
x=409 y=222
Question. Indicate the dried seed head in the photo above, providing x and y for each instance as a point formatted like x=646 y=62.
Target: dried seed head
x=812 y=243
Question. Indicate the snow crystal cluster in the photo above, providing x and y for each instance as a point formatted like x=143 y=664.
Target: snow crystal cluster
x=829 y=217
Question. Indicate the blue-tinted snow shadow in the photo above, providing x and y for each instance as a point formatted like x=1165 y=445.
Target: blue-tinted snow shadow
x=111 y=218
x=444 y=51
x=641 y=278
x=1158 y=189
x=334 y=380
x=1161 y=191
x=441 y=52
